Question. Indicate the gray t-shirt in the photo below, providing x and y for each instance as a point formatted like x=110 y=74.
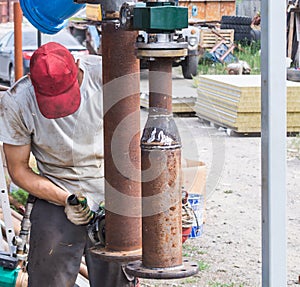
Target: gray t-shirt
x=69 y=150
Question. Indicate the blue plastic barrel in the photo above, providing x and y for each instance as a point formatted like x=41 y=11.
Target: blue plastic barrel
x=49 y=16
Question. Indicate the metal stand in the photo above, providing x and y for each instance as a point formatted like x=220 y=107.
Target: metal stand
x=10 y=233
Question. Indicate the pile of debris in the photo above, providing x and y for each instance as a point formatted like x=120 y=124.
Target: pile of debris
x=222 y=52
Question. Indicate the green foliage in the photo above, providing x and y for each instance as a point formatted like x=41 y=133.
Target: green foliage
x=189 y=280
x=251 y=55
x=217 y=284
x=189 y=250
x=248 y=53
x=202 y=265
x=208 y=67
x=20 y=195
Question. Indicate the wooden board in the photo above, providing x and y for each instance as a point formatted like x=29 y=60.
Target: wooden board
x=208 y=39
x=234 y=101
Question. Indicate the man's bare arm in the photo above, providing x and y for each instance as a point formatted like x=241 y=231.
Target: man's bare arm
x=17 y=158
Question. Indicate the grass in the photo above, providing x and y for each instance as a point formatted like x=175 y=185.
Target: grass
x=202 y=265
x=248 y=53
x=217 y=284
x=189 y=251
x=251 y=55
x=189 y=280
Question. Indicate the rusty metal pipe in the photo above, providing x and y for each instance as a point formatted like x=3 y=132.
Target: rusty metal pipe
x=162 y=246
x=18 y=17
x=121 y=109
x=160 y=84
x=161 y=228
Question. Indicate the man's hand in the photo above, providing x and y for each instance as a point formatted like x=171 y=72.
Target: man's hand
x=77 y=211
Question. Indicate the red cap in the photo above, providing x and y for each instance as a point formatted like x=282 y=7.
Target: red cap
x=53 y=73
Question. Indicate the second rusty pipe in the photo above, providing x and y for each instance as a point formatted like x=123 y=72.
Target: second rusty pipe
x=161 y=176
x=160 y=84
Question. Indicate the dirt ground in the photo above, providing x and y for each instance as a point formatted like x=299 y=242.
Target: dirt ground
x=229 y=251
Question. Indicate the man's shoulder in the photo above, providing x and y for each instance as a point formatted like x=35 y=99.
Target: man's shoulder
x=22 y=91
x=90 y=60
x=92 y=67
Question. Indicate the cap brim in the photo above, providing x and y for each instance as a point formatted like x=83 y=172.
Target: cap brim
x=64 y=105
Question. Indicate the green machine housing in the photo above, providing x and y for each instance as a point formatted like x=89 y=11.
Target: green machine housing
x=8 y=277
x=159 y=17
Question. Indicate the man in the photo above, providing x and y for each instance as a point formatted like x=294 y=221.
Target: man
x=55 y=112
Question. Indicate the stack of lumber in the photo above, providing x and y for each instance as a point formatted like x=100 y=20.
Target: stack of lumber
x=210 y=37
x=234 y=101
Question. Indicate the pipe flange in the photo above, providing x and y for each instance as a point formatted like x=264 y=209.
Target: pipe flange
x=162 y=45
x=187 y=269
x=116 y=256
x=140 y=53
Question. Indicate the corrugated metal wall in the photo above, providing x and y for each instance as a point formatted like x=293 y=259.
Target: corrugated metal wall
x=247 y=7
x=208 y=11
x=6 y=11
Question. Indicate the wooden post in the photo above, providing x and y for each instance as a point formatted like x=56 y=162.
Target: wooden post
x=18 y=40
x=291 y=34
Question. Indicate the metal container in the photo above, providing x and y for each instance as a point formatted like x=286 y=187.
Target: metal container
x=49 y=16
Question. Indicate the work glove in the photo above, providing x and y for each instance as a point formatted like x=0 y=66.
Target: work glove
x=77 y=210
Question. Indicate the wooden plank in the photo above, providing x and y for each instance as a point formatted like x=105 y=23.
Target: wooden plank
x=291 y=34
x=208 y=39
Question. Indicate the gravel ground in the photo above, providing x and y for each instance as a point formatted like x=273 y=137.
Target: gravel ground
x=229 y=251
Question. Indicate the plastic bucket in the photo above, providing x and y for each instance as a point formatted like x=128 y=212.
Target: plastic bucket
x=186 y=233
x=197 y=203
x=49 y=16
